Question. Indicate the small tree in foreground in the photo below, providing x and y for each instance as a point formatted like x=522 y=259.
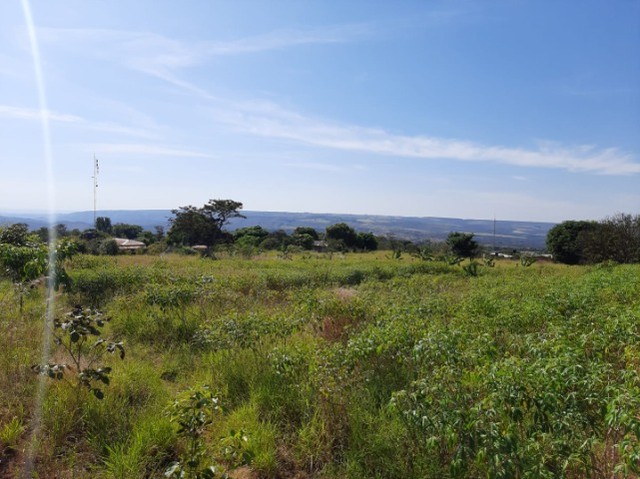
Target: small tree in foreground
x=193 y=411
x=73 y=335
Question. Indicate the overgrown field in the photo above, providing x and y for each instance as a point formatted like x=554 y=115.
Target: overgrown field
x=356 y=366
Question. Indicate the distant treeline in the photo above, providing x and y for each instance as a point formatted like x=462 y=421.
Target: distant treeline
x=202 y=229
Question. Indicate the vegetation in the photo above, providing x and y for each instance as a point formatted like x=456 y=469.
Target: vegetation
x=202 y=226
x=462 y=244
x=328 y=365
x=579 y=242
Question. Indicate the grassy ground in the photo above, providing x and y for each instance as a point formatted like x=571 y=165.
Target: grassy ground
x=337 y=366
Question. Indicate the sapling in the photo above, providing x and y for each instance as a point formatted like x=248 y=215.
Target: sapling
x=193 y=411
x=73 y=335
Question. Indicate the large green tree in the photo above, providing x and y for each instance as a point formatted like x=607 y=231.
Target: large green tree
x=191 y=225
x=566 y=241
x=341 y=236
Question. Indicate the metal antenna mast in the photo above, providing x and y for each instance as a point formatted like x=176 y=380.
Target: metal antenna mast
x=96 y=170
x=494 y=234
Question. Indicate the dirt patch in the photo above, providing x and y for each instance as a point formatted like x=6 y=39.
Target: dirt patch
x=243 y=472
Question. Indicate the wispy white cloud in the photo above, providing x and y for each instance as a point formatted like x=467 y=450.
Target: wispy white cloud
x=144 y=149
x=269 y=120
x=33 y=114
x=288 y=38
x=20 y=113
x=164 y=57
x=160 y=55
x=327 y=167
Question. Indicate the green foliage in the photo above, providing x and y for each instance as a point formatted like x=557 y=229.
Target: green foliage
x=191 y=225
x=303 y=240
x=103 y=224
x=616 y=238
x=341 y=236
x=423 y=253
x=471 y=269
x=342 y=366
x=10 y=433
x=125 y=230
x=366 y=242
x=74 y=339
x=527 y=260
x=563 y=240
x=16 y=234
x=193 y=411
x=488 y=261
x=109 y=247
x=306 y=230
x=462 y=244
x=257 y=232
x=25 y=262
x=396 y=254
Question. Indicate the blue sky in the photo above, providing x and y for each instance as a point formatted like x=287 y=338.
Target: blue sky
x=525 y=110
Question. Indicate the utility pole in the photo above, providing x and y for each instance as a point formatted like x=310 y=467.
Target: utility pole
x=494 y=234
x=96 y=170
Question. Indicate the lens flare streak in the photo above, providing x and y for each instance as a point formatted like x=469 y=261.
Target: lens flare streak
x=51 y=273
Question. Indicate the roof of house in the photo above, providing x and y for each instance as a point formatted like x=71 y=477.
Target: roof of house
x=124 y=243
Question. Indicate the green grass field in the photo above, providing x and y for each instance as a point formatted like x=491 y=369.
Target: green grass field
x=342 y=366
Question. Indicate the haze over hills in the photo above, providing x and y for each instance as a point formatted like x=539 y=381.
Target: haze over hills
x=508 y=234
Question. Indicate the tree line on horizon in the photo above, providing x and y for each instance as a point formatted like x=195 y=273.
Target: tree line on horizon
x=615 y=238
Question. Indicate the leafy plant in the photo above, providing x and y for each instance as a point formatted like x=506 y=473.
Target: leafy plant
x=527 y=260
x=395 y=254
x=471 y=269
x=10 y=433
x=193 y=411
x=424 y=253
x=453 y=260
x=488 y=261
x=233 y=448
x=74 y=337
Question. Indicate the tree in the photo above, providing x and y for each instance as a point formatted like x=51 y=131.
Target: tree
x=341 y=236
x=462 y=244
x=306 y=230
x=566 y=241
x=191 y=225
x=103 y=223
x=367 y=241
x=125 y=230
x=615 y=238
x=257 y=232
x=43 y=232
x=109 y=247
x=304 y=236
x=624 y=233
x=278 y=239
x=16 y=234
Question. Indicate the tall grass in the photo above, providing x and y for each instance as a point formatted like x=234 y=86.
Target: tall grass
x=345 y=366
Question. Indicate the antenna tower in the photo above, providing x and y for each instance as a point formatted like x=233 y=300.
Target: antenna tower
x=494 y=234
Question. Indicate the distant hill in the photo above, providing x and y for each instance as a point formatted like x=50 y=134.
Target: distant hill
x=508 y=234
